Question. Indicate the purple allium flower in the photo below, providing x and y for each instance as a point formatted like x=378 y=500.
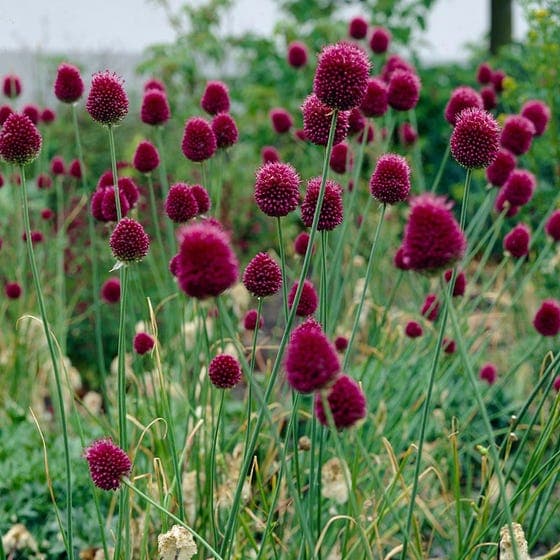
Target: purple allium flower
x=5 y=112
x=143 y=343
x=68 y=84
x=346 y=401
x=449 y=346
x=47 y=116
x=430 y=307
x=180 y=204
x=111 y=290
x=484 y=74
x=341 y=158
x=356 y=121
x=207 y=265
x=130 y=190
x=517 y=134
x=155 y=107
x=129 y=242
x=47 y=214
x=501 y=204
x=413 y=329
x=379 y=40
x=300 y=243
x=32 y=111
x=74 y=169
x=399 y=260
x=340 y=343
x=108 y=463
x=308 y=301
x=20 y=141
x=519 y=187
x=374 y=103
x=341 y=77
x=403 y=91
x=263 y=276
x=556 y=383
x=224 y=371
x=394 y=62
x=311 y=359
x=277 y=189
x=297 y=54
x=489 y=100
x=317 y=121
x=103 y=206
x=36 y=237
x=432 y=238
x=461 y=98
x=269 y=154
x=281 y=120
x=357 y=27
x=202 y=198
x=107 y=102
x=407 y=134
x=12 y=290
x=44 y=181
x=250 y=320
x=215 y=98
x=474 y=140
x=57 y=166
x=11 y=86
x=225 y=130
x=500 y=169
x=390 y=181
x=332 y=211
x=146 y=157
x=488 y=372
x=154 y=83
x=460 y=282
x=498 y=77
x=547 y=318
x=538 y=113
x=552 y=226
x=517 y=241
x=199 y=141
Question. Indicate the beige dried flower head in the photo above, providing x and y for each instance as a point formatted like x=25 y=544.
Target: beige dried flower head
x=176 y=544
x=506 y=546
x=333 y=480
x=19 y=538
x=93 y=402
x=189 y=494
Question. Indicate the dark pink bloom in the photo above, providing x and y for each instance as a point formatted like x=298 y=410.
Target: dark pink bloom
x=263 y=276
x=111 y=290
x=36 y=237
x=12 y=290
x=395 y=62
x=460 y=282
x=47 y=214
x=47 y=116
x=552 y=226
x=538 y=113
x=5 y=112
x=199 y=141
x=33 y=112
x=332 y=211
x=547 y=318
x=484 y=74
x=488 y=372
x=390 y=181
x=107 y=102
x=341 y=158
x=379 y=40
x=317 y=122
x=308 y=301
x=225 y=130
x=277 y=189
x=461 y=98
x=500 y=169
x=375 y=101
x=20 y=141
x=129 y=242
x=155 y=107
x=413 y=329
x=154 y=83
x=74 y=169
x=300 y=243
x=340 y=343
x=68 y=84
x=498 y=77
x=11 y=86
x=341 y=77
x=356 y=121
x=180 y=204
x=403 y=91
x=57 y=166
x=202 y=198
x=399 y=261
x=474 y=140
x=250 y=320
x=146 y=157
x=108 y=463
x=517 y=241
x=106 y=179
x=346 y=401
x=270 y=154
x=448 y=346
x=430 y=307
x=224 y=371
x=502 y=204
x=103 y=206
x=130 y=190
x=517 y=134
x=143 y=343
x=519 y=187
x=215 y=98
x=556 y=383
x=44 y=181
x=489 y=100
x=297 y=54
x=358 y=27
x=407 y=134
x=281 y=120
x=369 y=131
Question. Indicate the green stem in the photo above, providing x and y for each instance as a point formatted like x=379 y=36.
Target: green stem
x=283 y=266
x=60 y=276
x=437 y=180
x=323 y=294
x=114 y=172
x=213 y=464
x=155 y=219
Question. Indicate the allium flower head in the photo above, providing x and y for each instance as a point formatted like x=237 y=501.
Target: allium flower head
x=498 y=77
x=270 y=154
x=413 y=329
x=75 y=169
x=484 y=74
x=300 y=243
x=430 y=307
x=111 y=290
x=68 y=84
x=317 y=121
x=375 y=102
x=199 y=141
x=519 y=187
x=501 y=204
x=297 y=54
x=500 y=169
x=130 y=190
x=460 y=282
x=129 y=242
x=20 y=141
x=47 y=116
x=263 y=276
x=403 y=91
x=332 y=211
x=155 y=107
x=143 y=343
x=176 y=544
x=207 y=266
x=449 y=346
x=103 y=206
x=5 y=112
x=517 y=134
x=108 y=463
x=432 y=238
x=180 y=204
x=225 y=130
x=358 y=27
x=356 y=121
x=390 y=181
x=547 y=318
x=488 y=372
x=461 y=98
x=538 y=113
x=489 y=100
x=57 y=166
x=224 y=371
x=202 y=198
x=311 y=359
x=250 y=320
x=407 y=134
x=517 y=241
x=11 y=86
x=341 y=158
x=474 y=140
x=215 y=98
x=395 y=62
x=277 y=189
x=552 y=226
x=44 y=181
x=107 y=102
x=154 y=83
x=399 y=261
x=33 y=112
x=308 y=301
x=380 y=40
x=146 y=157
x=12 y=290
x=341 y=343
x=281 y=120
x=341 y=76
x=346 y=401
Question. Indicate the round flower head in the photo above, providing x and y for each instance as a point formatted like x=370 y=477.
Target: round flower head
x=277 y=189
x=36 y=237
x=75 y=169
x=106 y=179
x=5 y=112
x=448 y=345
x=207 y=266
x=379 y=40
x=297 y=54
x=129 y=188
x=108 y=463
x=403 y=91
x=155 y=107
x=474 y=140
x=501 y=204
x=11 y=86
x=300 y=243
x=308 y=301
x=332 y=211
x=500 y=169
x=356 y=121
x=225 y=130
x=263 y=276
x=341 y=343
x=461 y=98
x=552 y=226
x=143 y=343
x=538 y=113
x=498 y=77
x=407 y=134
x=12 y=290
x=547 y=318
x=399 y=260
x=180 y=204
x=68 y=84
x=311 y=359
x=44 y=181
x=202 y=198
x=341 y=158
x=346 y=401
x=215 y=98
x=517 y=241
x=154 y=83
x=199 y=142
x=317 y=121
x=47 y=214
x=281 y=120
x=375 y=102
x=394 y=62
x=556 y=383
x=47 y=116
x=250 y=320
x=484 y=74
x=517 y=134
x=129 y=242
x=341 y=77
x=430 y=307
x=146 y=157
x=390 y=181
x=107 y=102
x=519 y=187
x=111 y=290
x=489 y=100
x=33 y=112
x=57 y=166
x=432 y=238
x=413 y=329
x=224 y=371
x=488 y=372
x=269 y=154
x=460 y=282
x=20 y=141
x=358 y=27
x=103 y=206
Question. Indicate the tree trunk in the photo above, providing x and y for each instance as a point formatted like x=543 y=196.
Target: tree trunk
x=500 y=24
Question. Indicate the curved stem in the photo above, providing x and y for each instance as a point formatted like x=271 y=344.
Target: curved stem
x=437 y=180
x=283 y=266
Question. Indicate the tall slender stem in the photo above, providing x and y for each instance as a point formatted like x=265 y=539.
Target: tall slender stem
x=282 y=266
x=114 y=172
